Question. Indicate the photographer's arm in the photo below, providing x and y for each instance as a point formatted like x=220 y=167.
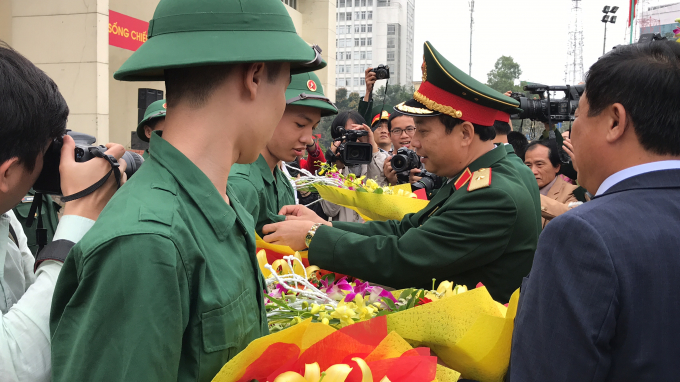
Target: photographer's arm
x=24 y=330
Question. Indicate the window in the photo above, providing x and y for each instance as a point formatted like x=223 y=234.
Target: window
x=356 y=3
x=341 y=43
x=369 y=41
x=370 y=15
x=369 y=55
x=338 y=55
x=391 y=30
x=362 y=81
x=348 y=16
x=370 y=28
x=348 y=29
x=356 y=42
x=348 y=55
x=363 y=42
x=356 y=28
x=356 y=82
x=290 y=3
x=357 y=15
x=370 y=3
x=390 y=42
x=390 y=56
x=341 y=3
x=357 y=69
x=363 y=3
x=342 y=16
x=363 y=15
x=363 y=28
x=363 y=54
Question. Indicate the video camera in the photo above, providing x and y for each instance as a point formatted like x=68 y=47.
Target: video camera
x=350 y=151
x=546 y=110
x=49 y=180
x=406 y=160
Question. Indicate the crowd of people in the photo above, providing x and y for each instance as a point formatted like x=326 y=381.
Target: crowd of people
x=155 y=277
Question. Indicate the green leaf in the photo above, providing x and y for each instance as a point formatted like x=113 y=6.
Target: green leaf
x=389 y=303
x=280 y=303
x=378 y=191
x=330 y=278
x=361 y=190
x=405 y=293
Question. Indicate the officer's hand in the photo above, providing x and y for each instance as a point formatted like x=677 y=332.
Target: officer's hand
x=413 y=175
x=508 y=93
x=300 y=212
x=76 y=177
x=569 y=149
x=389 y=172
x=370 y=77
x=290 y=233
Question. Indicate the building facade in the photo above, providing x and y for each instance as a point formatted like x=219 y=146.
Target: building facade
x=660 y=19
x=370 y=33
x=73 y=42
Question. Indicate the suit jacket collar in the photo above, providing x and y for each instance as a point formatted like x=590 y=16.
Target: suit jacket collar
x=650 y=180
x=556 y=188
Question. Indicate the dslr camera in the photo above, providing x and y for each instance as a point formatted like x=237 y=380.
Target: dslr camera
x=406 y=160
x=49 y=180
x=546 y=109
x=382 y=72
x=350 y=151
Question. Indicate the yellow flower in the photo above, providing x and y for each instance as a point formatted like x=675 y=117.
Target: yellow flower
x=366 y=312
x=344 y=313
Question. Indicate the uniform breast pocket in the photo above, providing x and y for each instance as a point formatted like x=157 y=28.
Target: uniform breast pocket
x=226 y=331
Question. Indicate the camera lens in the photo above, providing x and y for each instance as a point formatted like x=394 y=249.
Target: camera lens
x=80 y=153
x=399 y=163
x=133 y=161
x=353 y=153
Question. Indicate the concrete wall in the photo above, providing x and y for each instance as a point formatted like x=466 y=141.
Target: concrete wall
x=6 y=21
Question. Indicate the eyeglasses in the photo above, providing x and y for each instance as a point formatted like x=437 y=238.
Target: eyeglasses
x=408 y=130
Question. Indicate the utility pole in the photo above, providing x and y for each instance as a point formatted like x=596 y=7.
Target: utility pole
x=472 y=23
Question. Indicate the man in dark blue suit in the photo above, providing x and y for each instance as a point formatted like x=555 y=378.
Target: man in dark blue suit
x=601 y=302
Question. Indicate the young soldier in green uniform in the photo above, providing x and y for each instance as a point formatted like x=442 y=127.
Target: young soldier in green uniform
x=165 y=286
x=154 y=116
x=262 y=187
x=480 y=227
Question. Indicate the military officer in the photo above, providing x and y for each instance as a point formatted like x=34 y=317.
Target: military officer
x=262 y=187
x=166 y=286
x=480 y=227
x=153 y=120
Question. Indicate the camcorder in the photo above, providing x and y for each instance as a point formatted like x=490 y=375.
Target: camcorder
x=546 y=109
x=406 y=160
x=350 y=151
x=382 y=72
x=49 y=180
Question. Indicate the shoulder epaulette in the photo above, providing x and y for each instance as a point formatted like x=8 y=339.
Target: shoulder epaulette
x=480 y=179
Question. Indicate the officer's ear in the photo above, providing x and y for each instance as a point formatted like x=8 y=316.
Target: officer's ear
x=467 y=130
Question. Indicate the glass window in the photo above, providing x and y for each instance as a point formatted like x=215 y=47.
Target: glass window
x=348 y=55
x=370 y=28
x=362 y=81
x=369 y=55
x=370 y=3
x=341 y=3
x=390 y=56
x=342 y=16
x=369 y=41
x=391 y=29
x=338 y=56
x=356 y=3
x=356 y=68
x=363 y=15
x=357 y=15
x=363 y=3
x=348 y=17
x=356 y=28
x=363 y=28
x=356 y=42
x=363 y=54
x=390 y=42
x=370 y=15
x=356 y=82
x=363 y=42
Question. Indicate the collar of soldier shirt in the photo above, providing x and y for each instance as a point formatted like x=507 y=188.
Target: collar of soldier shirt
x=197 y=185
x=267 y=173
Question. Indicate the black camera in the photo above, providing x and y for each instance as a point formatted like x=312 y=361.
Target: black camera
x=403 y=162
x=429 y=182
x=49 y=180
x=382 y=72
x=351 y=151
x=547 y=110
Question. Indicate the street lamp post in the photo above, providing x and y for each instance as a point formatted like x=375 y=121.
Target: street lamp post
x=606 y=19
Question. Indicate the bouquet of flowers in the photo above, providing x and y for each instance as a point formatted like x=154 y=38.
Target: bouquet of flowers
x=365 y=197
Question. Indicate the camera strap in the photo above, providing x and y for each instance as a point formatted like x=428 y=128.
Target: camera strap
x=115 y=170
x=36 y=211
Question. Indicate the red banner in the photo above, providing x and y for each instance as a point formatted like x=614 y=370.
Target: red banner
x=126 y=32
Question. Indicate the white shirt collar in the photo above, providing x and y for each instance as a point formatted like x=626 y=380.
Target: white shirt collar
x=634 y=171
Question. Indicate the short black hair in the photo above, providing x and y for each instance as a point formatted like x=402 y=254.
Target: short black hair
x=502 y=128
x=393 y=115
x=196 y=84
x=32 y=111
x=344 y=116
x=486 y=133
x=645 y=79
x=553 y=155
x=519 y=143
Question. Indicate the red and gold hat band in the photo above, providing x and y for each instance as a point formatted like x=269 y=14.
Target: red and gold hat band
x=385 y=115
x=444 y=102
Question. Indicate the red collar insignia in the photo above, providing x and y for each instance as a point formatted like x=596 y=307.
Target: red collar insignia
x=463 y=178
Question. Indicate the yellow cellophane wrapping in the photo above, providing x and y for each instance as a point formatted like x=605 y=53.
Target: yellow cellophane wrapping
x=283 y=249
x=469 y=332
x=373 y=206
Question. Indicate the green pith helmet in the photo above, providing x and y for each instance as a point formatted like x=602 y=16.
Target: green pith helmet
x=448 y=90
x=186 y=33
x=154 y=111
x=380 y=113
x=305 y=90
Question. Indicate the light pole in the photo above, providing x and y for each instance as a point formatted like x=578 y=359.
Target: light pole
x=606 y=19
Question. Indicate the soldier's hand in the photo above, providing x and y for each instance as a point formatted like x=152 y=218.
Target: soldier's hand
x=300 y=212
x=76 y=177
x=290 y=233
x=389 y=172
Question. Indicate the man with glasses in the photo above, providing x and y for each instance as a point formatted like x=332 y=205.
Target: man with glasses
x=401 y=128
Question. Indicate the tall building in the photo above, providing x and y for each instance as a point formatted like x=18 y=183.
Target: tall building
x=370 y=33
x=658 y=18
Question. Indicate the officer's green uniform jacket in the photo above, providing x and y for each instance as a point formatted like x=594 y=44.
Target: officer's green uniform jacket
x=365 y=109
x=164 y=287
x=261 y=195
x=467 y=237
x=528 y=179
x=49 y=211
x=145 y=156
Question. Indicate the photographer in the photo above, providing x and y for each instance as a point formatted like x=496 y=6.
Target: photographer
x=401 y=128
x=32 y=114
x=482 y=226
x=351 y=120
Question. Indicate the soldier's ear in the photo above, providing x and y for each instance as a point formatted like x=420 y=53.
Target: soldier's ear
x=468 y=132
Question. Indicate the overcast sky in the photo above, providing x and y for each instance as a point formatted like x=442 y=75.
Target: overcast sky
x=533 y=32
